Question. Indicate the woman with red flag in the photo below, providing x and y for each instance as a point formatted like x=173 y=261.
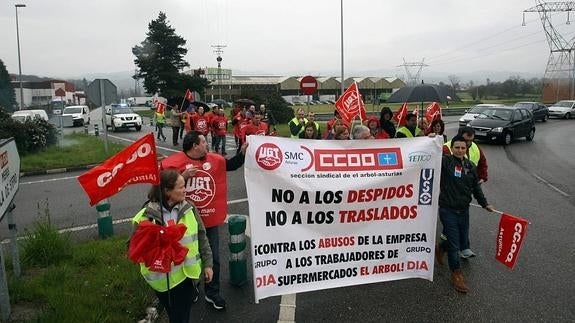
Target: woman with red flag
x=171 y=246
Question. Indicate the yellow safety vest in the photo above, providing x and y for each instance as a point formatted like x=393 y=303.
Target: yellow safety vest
x=473 y=153
x=160 y=118
x=296 y=122
x=192 y=265
x=407 y=133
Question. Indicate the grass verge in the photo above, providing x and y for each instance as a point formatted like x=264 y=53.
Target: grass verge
x=96 y=284
x=78 y=149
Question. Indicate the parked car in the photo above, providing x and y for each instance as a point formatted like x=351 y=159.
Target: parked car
x=539 y=110
x=80 y=114
x=563 y=109
x=503 y=124
x=122 y=116
x=23 y=115
x=473 y=112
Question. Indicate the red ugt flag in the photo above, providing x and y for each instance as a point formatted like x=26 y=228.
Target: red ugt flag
x=189 y=96
x=512 y=231
x=135 y=164
x=401 y=115
x=432 y=112
x=350 y=104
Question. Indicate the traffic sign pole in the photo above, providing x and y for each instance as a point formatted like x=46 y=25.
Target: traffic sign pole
x=308 y=86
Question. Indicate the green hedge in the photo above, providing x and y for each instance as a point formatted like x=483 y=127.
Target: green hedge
x=31 y=136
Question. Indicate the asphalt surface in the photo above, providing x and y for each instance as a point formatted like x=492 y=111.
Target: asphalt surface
x=533 y=180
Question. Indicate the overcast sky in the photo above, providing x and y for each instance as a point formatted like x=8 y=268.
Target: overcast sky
x=65 y=38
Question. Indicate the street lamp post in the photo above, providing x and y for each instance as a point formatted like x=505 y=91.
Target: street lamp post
x=19 y=60
x=219 y=59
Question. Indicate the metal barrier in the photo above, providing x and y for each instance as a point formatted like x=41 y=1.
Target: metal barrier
x=105 y=224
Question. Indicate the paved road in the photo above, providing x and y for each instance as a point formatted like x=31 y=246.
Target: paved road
x=530 y=179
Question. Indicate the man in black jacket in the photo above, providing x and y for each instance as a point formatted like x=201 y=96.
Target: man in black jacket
x=459 y=181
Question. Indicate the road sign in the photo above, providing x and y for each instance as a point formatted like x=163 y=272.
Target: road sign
x=94 y=92
x=10 y=169
x=308 y=85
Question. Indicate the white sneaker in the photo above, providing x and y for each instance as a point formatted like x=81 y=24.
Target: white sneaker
x=466 y=253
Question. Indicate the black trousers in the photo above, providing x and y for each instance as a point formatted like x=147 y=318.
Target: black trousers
x=175 y=134
x=178 y=301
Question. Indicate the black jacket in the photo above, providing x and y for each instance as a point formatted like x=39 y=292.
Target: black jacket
x=456 y=190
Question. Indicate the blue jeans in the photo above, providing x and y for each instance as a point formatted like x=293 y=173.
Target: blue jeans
x=220 y=141
x=213 y=288
x=456 y=229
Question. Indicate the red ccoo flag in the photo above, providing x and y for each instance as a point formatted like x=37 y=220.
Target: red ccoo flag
x=160 y=107
x=189 y=96
x=432 y=112
x=512 y=231
x=401 y=115
x=135 y=164
x=350 y=104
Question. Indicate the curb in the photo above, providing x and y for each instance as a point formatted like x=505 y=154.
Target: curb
x=57 y=170
x=66 y=169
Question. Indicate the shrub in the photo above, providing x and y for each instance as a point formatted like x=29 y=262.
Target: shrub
x=45 y=246
x=31 y=136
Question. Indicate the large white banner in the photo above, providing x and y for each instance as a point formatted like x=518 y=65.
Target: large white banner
x=331 y=213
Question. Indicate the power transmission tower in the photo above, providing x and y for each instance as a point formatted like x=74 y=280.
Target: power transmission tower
x=413 y=79
x=219 y=51
x=559 y=79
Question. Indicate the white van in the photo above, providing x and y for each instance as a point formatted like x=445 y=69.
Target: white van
x=80 y=114
x=23 y=115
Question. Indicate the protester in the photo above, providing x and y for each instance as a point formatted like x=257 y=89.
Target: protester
x=478 y=159
x=330 y=126
x=341 y=132
x=205 y=173
x=438 y=127
x=361 y=132
x=176 y=122
x=376 y=131
x=296 y=124
x=220 y=128
x=256 y=127
x=238 y=119
x=311 y=118
x=459 y=181
x=410 y=130
x=201 y=121
x=160 y=123
x=167 y=207
x=310 y=132
x=386 y=122
x=267 y=116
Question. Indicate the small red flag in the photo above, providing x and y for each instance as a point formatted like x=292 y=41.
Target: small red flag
x=160 y=107
x=432 y=112
x=350 y=104
x=401 y=115
x=510 y=236
x=189 y=96
x=135 y=164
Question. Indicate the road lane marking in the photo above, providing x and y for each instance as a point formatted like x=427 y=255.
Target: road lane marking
x=555 y=188
x=287 y=308
x=48 y=180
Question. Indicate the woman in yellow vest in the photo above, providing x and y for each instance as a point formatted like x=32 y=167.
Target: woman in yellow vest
x=177 y=289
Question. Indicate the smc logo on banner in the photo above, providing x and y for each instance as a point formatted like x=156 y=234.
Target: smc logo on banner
x=425 y=186
x=512 y=231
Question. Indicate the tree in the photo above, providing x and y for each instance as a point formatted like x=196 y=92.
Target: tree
x=454 y=80
x=160 y=57
x=7 y=96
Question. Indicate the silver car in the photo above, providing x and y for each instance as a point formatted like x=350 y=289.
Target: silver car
x=474 y=111
x=563 y=109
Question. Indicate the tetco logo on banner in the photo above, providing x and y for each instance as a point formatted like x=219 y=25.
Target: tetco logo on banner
x=269 y=156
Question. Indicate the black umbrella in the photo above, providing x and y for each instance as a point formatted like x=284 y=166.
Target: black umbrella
x=197 y=104
x=220 y=102
x=419 y=93
x=245 y=102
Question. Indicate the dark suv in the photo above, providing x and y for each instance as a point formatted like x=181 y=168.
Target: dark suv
x=540 y=111
x=503 y=124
